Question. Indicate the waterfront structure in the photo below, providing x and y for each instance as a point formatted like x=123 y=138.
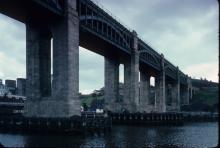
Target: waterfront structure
x=21 y=87
x=9 y=88
x=71 y=23
x=11 y=85
x=4 y=90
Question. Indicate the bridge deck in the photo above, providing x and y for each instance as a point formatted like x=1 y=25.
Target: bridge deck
x=39 y=11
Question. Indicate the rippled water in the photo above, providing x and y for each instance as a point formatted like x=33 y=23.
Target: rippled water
x=189 y=135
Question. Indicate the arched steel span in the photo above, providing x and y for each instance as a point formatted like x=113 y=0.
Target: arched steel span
x=97 y=21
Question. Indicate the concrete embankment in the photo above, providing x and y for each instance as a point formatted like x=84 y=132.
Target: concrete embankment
x=200 y=116
x=79 y=124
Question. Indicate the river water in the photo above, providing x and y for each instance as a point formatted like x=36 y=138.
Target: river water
x=189 y=135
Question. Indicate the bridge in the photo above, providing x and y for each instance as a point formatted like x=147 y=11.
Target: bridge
x=74 y=23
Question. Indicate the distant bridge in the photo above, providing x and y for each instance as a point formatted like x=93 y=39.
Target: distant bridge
x=81 y=22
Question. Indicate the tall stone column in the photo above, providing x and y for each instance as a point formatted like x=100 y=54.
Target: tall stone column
x=127 y=101
x=160 y=88
x=144 y=92
x=185 y=93
x=168 y=94
x=38 y=68
x=190 y=89
x=176 y=92
x=64 y=100
x=65 y=89
x=131 y=78
x=111 y=85
x=135 y=72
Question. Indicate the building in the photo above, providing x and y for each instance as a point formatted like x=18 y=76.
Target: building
x=4 y=90
x=21 y=87
x=11 y=85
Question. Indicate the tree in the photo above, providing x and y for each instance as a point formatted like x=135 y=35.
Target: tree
x=85 y=107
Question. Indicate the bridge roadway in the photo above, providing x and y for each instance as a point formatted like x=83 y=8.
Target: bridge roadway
x=81 y=22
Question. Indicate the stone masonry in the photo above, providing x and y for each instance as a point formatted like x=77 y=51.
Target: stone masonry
x=160 y=88
x=185 y=93
x=175 y=92
x=111 y=85
x=131 y=78
x=63 y=99
x=144 y=92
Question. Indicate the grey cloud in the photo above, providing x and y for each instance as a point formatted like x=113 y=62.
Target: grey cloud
x=12 y=37
x=186 y=31
x=91 y=70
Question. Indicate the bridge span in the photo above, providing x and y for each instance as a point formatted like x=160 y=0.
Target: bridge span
x=74 y=23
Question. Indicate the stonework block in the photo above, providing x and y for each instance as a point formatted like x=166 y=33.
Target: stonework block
x=64 y=100
x=111 y=85
x=131 y=79
x=144 y=92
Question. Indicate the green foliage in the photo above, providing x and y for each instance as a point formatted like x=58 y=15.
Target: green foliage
x=205 y=99
x=206 y=96
x=89 y=98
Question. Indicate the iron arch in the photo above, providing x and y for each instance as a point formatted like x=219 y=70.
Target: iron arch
x=86 y=17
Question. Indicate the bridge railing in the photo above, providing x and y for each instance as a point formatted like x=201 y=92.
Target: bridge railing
x=97 y=21
x=149 y=47
x=108 y=14
x=148 y=55
x=98 y=3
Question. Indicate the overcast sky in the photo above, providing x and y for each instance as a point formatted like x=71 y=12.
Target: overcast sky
x=185 y=31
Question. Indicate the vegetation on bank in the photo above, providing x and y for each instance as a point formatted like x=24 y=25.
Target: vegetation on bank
x=206 y=99
x=89 y=99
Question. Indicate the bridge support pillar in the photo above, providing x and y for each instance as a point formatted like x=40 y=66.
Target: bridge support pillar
x=176 y=97
x=168 y=94
x=112 y=85
x=64 y=100
x=176 y=93
x=144 y=92
x=190 y=89
x=66 y=63
x=131 y=79
x=160 y=89
x=38 y=67
x=185 y=93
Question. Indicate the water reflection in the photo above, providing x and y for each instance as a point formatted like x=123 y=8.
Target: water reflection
x=189 y=135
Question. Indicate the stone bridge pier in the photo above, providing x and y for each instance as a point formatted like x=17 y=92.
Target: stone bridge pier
x=144 y=87
x=112 y=85
x=61 y=99
x=173 y=94
x=168 y=93
x=160 y=88
x=136 y=94
x=186 y=92
x=131 y=79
